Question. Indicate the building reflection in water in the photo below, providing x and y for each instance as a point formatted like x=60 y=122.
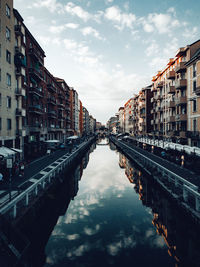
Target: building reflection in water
x=178 y=231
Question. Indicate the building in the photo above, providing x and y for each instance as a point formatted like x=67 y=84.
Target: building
x=8 y=103
x=92 y=125
x=74 y=112
x=121 y=120
x=80 y=108
x=86 y=122
x=193 y=105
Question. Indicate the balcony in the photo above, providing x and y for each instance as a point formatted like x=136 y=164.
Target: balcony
x=171 y=89
x=52 y=114
x=61 y=106
x=197 y=91
x=170 y=119
x=180 y=67
x=152 y=122
x=180 y=84
x=171 y=104
x=181 y=100
x=36 y=74
x=193 y=134
x=20 y=92
x=35 y=127
x=51 y=88
x=18 y=30
x=160 y=84
x=36 y=91
x=51 y=100
x=181 y=117
x=21 y=132
x=18 y=71
x=36 y=109
x=34 y=54
x=20 y=112
x=61 y=96
x=171 y=75
x=182 y=134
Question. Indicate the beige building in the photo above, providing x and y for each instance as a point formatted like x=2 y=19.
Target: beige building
x=8 y=103
x=193 y=83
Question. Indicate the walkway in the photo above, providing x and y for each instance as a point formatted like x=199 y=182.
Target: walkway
x=183 y=172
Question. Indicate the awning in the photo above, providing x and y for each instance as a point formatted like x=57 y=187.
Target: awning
x=6 y=152
x=17 y=150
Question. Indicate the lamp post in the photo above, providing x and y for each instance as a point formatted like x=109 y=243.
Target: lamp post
x=9 y=165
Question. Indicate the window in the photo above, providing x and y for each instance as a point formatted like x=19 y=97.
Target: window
x=8 y=79
x=194 y=105
x=8 y=102
x=194 y=125
x=9 y=124
x=8 y=34
x=7 y=11
x=194 y=70
x=194 y=86
x=8 y=56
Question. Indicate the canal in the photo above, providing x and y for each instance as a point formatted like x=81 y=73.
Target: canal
x=118 y=216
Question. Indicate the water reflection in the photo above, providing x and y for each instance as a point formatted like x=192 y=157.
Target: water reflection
x=176 y=229
x=106 y=224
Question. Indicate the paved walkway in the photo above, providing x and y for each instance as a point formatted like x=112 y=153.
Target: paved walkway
x=181 y=171
x=32 y=169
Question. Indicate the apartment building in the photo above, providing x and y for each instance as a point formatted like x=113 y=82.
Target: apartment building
x=121 y=120
x=80 y=108
x=170 y=97
x=193 y=107
x=74 y=112
x=8 y=103
x=144 y=111
x=128 y=116
x=136 y=115
x=64 y=105
x=92 y=125
x=86 y=121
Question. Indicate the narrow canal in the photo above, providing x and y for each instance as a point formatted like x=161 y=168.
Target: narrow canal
x=119 y=217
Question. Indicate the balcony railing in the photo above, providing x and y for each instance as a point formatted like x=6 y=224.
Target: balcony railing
x=181 y=117
x=171 y=89
x=181 y=100
x=51 y=100
x=36 y=74
x=18 y=30
x=171 y=104
x=37 y=109
x=20 y=91
x=34 y=54
x=36 y=90
x=171 y=75
x=180 y=67
x=197 y=91
x=181 y=83
x=52 y=113
x=51 y=88
x=193 y=134
x=170 y=119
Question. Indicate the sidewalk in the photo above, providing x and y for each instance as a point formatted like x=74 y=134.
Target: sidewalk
x=33 y=168
x=181 y=171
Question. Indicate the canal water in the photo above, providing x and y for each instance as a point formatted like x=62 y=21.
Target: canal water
x=119 y=217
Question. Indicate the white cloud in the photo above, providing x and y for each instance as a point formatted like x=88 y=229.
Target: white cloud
x=72 y=25
x=162 y=22
x=77 y=11
x=91 y=31
x=190 y=33
x=152 y=49
x=115 y=15
x=51 y=5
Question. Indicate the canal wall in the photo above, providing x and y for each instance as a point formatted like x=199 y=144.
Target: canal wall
x=183 y=192
x=20 y=214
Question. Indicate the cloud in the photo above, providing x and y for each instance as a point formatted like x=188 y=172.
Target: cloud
x=91 y=31
x=120 y=19
x=78 y=11
x=152 y=49
x=60 y=28
x=51 y=5
x=190 y=33
x=162 y=22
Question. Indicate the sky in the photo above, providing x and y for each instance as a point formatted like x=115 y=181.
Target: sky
x=109 y=49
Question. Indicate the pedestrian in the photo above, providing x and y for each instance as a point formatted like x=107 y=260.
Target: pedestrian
x=22 y=169
x=1 y=177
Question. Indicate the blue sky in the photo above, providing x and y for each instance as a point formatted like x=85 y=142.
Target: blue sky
x=109 y=49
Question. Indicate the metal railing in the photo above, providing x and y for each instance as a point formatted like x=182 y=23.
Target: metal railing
x=187 y=187
x=24 y=198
